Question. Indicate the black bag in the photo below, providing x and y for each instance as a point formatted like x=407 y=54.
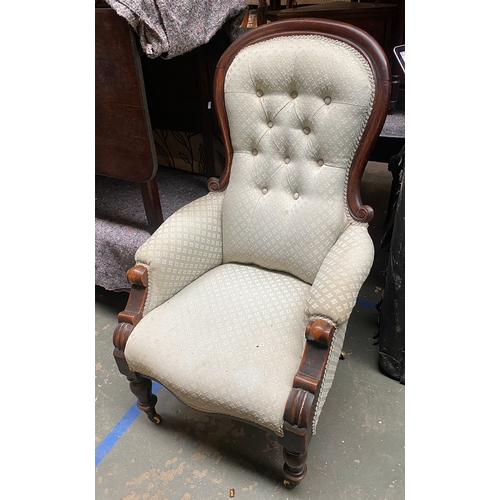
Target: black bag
x=392 y=306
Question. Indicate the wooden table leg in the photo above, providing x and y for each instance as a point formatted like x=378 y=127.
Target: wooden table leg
x=152 y=204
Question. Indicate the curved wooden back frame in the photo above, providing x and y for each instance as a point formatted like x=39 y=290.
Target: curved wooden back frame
x=337 y=30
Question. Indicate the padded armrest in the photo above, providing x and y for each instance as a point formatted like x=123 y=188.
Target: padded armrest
x=185 y=246
x=335 y=289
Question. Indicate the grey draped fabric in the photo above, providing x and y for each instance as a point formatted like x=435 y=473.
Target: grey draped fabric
x=173 y=27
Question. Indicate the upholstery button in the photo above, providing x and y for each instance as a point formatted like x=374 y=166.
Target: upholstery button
x=328 y=100
x=270 y=124
x=287 y=160
x=306 y=130
x=264 y=190
x=296 y=196
x=260 y=93
x=294 y=94
x=254 y=152
x=321 y=163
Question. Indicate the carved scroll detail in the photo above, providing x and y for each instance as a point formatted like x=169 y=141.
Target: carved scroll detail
x=213 y=184
x=121 y=335
x=298 y=406
x=364 y=213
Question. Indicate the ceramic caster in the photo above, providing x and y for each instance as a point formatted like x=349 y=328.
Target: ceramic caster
x=156 y=419
x=290 y=485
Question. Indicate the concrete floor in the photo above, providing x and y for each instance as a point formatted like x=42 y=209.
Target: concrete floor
x=357 y=453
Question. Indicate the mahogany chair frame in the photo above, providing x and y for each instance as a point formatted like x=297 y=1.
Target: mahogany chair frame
x=319 y=334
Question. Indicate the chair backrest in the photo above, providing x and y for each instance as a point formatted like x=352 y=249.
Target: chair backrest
x=300 y=105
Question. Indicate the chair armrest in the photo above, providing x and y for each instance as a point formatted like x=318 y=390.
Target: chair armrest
x=345 y=268
x=185 y=246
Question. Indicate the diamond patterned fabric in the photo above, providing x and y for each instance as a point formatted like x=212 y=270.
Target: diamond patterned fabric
x=297 y=107
x=331 y=368
x=185 y=246
x=341 y=275
x=238 y=361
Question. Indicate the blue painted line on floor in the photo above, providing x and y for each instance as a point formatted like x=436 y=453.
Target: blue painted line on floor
x=366 y=303
x=118 y=430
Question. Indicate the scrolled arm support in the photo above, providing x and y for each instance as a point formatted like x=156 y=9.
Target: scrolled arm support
x=299 y=409
x=137 y=276
x=128 y=318
x=306 y=383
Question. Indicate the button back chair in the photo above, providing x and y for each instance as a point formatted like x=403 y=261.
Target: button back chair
x=240 y=300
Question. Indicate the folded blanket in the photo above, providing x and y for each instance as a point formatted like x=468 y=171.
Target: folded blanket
x=173 y=27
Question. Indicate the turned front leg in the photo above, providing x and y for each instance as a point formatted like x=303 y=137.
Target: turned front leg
x=295 y=468
x=141 y=387
x=303 y=398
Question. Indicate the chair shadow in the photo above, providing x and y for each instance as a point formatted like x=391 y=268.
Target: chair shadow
x=223 y=437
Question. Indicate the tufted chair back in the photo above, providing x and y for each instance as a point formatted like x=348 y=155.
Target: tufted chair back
x=294 y=109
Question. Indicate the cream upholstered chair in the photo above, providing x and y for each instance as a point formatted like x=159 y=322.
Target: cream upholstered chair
x=240 y=300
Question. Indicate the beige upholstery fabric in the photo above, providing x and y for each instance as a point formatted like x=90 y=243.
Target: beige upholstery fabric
x=331 y=368
x=185 y=246
x=341 y=275
x=295 y=121
x=229 y=343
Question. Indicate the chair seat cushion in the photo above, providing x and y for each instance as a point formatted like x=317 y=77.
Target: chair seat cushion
x=229 y=343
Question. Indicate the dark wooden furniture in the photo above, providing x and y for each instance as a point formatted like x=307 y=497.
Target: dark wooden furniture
x=124 y=145
x=262 y=9
x=179 y=93
x=319 y=333
x=383 y=21
x=375 y=19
